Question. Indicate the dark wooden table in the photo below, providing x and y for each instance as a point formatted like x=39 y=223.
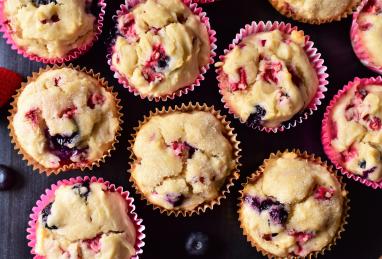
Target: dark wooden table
x=166 y=235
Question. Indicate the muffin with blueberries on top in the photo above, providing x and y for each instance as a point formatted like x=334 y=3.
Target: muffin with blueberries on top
x=64 y=118
x=50 y=29
x=293 y=206
x=183 y=160
x=161 y=48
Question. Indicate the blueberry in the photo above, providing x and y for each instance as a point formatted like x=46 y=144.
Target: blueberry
x=278 y=214
x=362 y=164
x=266 y=204
x=175 y=199
x=368 y=171
x=163 y=62
x=191 y=150
x=82 y=189
x=37 y=3
x=60 y=141
x=7 y=178
x=253 y=201
x=197 y=243
x=256 y=117
x=45 y=214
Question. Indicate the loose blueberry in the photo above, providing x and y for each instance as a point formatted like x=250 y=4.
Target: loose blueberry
x=197 y=244
x=37 y=3
x=362 y=164
x=256 y=117
x=175 y=199
x=82 y=189
x=45 y=214
x=7 y=178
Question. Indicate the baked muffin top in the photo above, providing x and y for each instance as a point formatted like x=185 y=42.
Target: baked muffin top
x=85 y=220
x=182 y=159
x=65 y=117
x=316 y=9
x=162 y=47
x=370 y=28
x=50 y=28
x=295 y=207
x=267 y=78
x=356 y=133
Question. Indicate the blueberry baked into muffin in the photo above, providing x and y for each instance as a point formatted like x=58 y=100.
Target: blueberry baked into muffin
x=315 y=11
x=182 y=160
x=50 y=28
x=65 y=118
x=356 y=130
x=267 y=78
x=369 y=22
x=161 y=47
x=293 y=207
x=85 y=220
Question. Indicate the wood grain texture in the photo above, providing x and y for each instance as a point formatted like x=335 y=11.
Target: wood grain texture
x=166 y=235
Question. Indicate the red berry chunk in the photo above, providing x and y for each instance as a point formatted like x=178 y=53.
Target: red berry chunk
x=351 y=113
x=95 y=99
x=301 y=239
x=242 y=84
x=375 y=123
x=182 y=149
x=152 y=71
x=348 y=154
x=365 y=26
x=333 y=130
x=68 y=112
x=33 y=115
x=270 y=72
x=323 y=193
x=94 y=243
x=57 y=81
x=126 y=27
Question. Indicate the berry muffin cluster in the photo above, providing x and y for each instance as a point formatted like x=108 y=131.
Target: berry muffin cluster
x=85 y=220
x=65 y=117
x=50 y=28
x=182 y=159
x=293 y=207
x=267 y=78
x=161 y=47
x=356 y=130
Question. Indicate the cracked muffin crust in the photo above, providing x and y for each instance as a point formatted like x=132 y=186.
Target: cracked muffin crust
x=267 y=78
x=85 y=220
x=182 y=159
x=369 y=30
x=50 y=28
x=294 y=207
x=65 y=117
x=315 y=11
x=356 y=134
x=161 y=47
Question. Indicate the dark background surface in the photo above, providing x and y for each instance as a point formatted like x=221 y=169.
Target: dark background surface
x=166 y=235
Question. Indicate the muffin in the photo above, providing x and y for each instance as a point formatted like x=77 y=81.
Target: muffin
x=353 y=126
x=315 y=11
x=50 y=29
x=267 y=78
x=65 y=118
x=161 y=47
x=182 y=160
x=86 y=220
x=293 y=206
x=366 y=31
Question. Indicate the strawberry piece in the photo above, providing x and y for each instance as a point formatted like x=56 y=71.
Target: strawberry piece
x=10 y=81
x=68 y=112
x=351 y=113
x=94 y=244
x=95 y=99
x=349 y=154
x=242 y=84
x=365 y=26
x=270 y=72
x=323 y=193
x=33 y=116
x=126 y=27
x=158 y=61
x=301 y=238
x=375 y=123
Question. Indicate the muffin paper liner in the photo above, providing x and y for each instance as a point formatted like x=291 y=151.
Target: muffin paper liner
x=313 y=56
x=30 y=161
x=277 y=4
x=229 y=181
x=358 y=47
x=195 y=9
x=326 y=131
x=311 y=158
x=73 y=54
x=49 y=195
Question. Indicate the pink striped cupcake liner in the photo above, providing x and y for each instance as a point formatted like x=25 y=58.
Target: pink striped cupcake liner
x=49 y=194
x=73 y=54
x=212 y=39
x=327 y=133
x=314 y=58
x=359 y=49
